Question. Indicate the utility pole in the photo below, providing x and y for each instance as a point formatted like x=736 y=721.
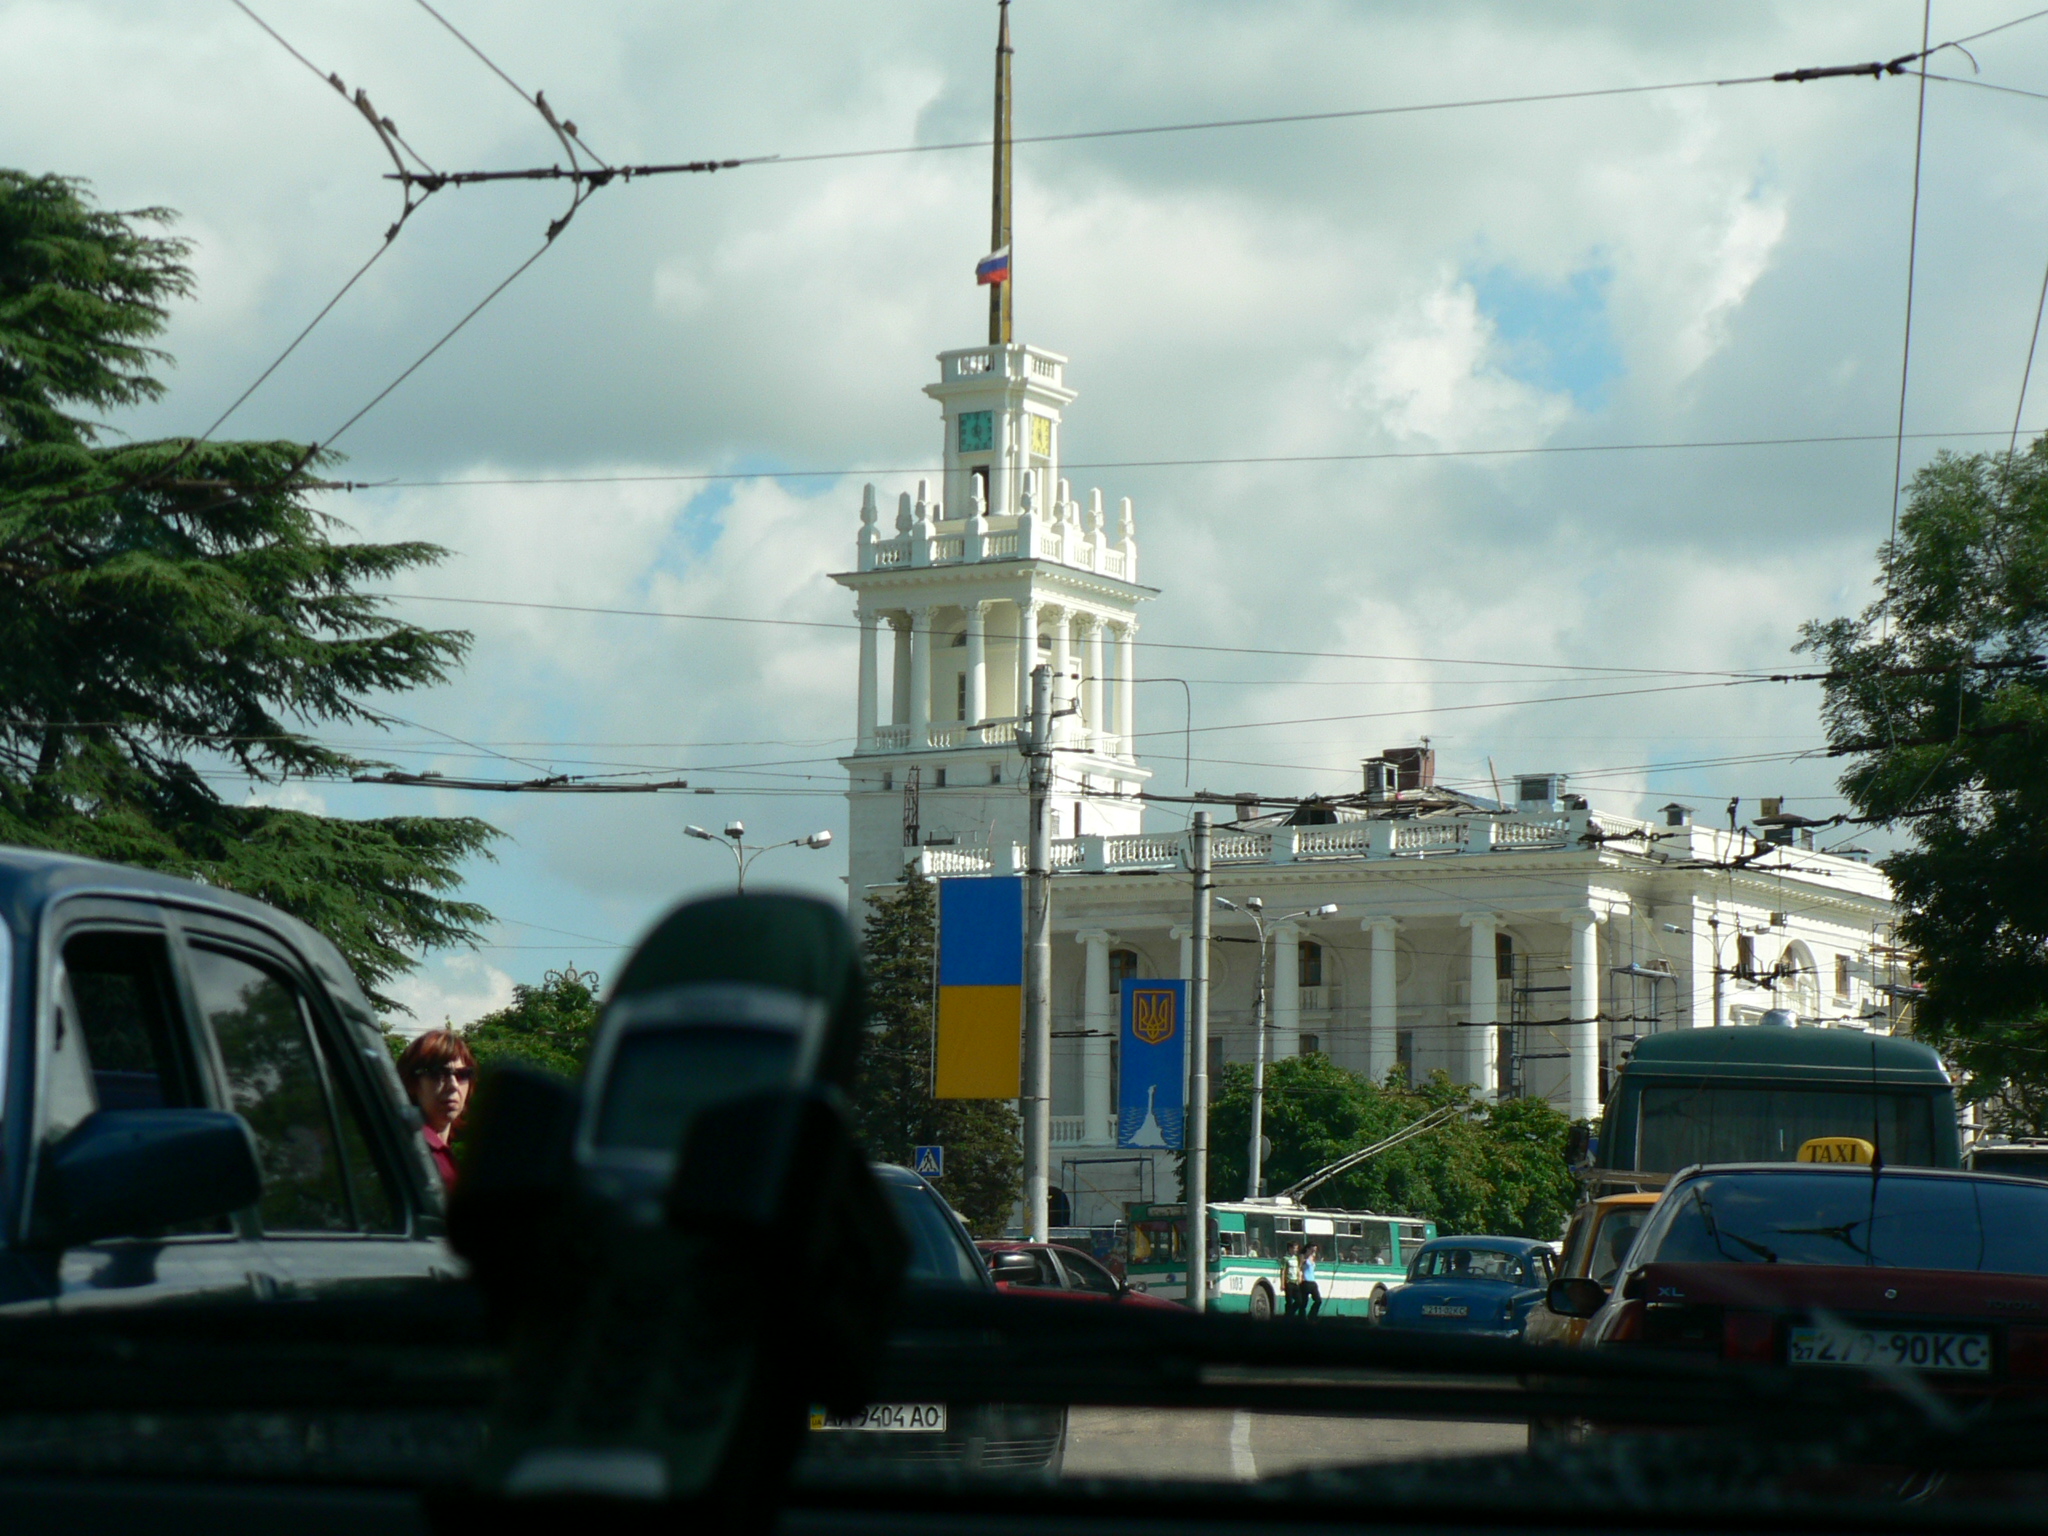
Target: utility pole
x=1253 y=1185
x=1197 y=1121
x=1037 y=1096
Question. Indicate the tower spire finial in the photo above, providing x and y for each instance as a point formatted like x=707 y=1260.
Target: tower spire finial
x=999 y=312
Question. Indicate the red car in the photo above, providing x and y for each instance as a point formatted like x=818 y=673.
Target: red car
x=1943 y=1274
x=1053 y=1269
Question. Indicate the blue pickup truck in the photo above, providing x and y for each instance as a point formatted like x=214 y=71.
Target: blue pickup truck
x=196 y=1103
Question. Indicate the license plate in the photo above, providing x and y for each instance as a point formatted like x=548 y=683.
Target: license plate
x=896 y=1418
x=1914 y=1348
x=1446 y=1311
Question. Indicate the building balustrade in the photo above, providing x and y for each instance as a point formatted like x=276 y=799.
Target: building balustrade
x=945 y=736
x=1072 y=1131
x=1462 y=836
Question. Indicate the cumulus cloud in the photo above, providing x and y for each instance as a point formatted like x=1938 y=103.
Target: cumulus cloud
x=448 y=992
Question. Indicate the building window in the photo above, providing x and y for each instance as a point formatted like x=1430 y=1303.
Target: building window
x=1054 y=818
x=1310 y=964
x=888 y=779
x=1311 y=1045
x=1123 y=967
x=1404 y=1055
x=1841 y=975
x=995 y=773
x=979 y=479
x=1215 y=1056
x=1503 y=957
x=960 y=700
x=938 y=778
x=1045 y=642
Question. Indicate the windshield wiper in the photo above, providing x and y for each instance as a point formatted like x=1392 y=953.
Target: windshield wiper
x=1839 y=1233
x=1706 y=1209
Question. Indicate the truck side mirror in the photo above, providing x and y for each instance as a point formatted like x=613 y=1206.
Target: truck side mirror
x=1579 y=1146
x=127 y=1172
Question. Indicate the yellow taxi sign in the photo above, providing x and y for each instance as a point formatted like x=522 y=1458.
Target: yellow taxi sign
x=1837 y=1149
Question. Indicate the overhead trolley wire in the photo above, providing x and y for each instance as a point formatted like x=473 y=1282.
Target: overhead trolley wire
x=1755 y=674
x=1253 y=460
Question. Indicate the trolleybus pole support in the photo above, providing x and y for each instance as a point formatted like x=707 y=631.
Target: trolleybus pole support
x=1037 y=1105
x=1197 y=1121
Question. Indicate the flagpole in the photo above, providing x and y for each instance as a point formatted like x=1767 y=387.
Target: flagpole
x=999 y=239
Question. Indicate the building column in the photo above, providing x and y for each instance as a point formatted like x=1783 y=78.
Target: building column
x=1286 y=1020
x=1480 y=1042
x=1062 y=664
x=1583 y=1033
x=1027 y=657
x=920 y=721
x=1126 y=674
x=1381 y=1046
x=870 y=680
x=1098 y=1019
x=899 y=674
x=1095 y=727
x=977 y=663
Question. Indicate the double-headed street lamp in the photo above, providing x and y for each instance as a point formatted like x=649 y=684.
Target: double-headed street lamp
x=1255 y=909
x=744 y=854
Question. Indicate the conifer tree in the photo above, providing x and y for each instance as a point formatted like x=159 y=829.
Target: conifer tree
x=174 y=613
x=892 y=1102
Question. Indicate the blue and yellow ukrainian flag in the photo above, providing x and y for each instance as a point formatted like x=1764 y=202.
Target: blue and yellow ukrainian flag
x=980 y=1046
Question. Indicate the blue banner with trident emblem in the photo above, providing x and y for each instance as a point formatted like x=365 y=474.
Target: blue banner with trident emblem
x=1152 y=1077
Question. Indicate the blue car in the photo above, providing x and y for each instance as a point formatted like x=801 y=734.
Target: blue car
x=1475 y=1285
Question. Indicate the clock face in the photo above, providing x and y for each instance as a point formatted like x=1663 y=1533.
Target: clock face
x=977 y=431
x=1041 y=436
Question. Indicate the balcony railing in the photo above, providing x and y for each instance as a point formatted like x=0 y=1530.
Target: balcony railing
x=1461 y=836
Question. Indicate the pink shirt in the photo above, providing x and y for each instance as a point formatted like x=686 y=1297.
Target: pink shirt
x=444 y=1160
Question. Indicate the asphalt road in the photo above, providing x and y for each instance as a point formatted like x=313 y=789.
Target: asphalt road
x=1228 y=1445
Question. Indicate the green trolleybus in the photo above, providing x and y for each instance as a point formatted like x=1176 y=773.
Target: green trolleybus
x=1359 y=1255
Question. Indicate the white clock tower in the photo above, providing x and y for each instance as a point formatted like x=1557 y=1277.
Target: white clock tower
x=959 y=599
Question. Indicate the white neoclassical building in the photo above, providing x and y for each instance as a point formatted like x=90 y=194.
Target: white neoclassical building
x=1521 y=945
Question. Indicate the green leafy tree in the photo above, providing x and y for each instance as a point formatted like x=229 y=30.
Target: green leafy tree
x=1496 y=1168
x=1939 y=699
x=173 y=610
x=892 y=1103
x=545 y=1026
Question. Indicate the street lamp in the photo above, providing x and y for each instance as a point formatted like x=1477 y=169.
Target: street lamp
x=744 y=854
x=1255 y=909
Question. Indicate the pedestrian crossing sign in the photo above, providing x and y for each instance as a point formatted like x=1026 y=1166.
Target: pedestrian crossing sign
x=929 y=1162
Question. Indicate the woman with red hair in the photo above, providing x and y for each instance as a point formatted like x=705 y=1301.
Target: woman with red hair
x=437 y=1070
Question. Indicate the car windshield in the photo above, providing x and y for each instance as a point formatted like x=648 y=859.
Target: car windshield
x=1893 y=1220
x=1470 y=1264
x=609 y=907
x=939 y=1254
x=1611 y=1243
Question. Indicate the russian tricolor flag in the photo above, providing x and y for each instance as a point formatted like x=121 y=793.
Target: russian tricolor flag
x=994 y=267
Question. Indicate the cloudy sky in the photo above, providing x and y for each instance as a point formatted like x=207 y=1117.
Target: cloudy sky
x=1668 y=267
